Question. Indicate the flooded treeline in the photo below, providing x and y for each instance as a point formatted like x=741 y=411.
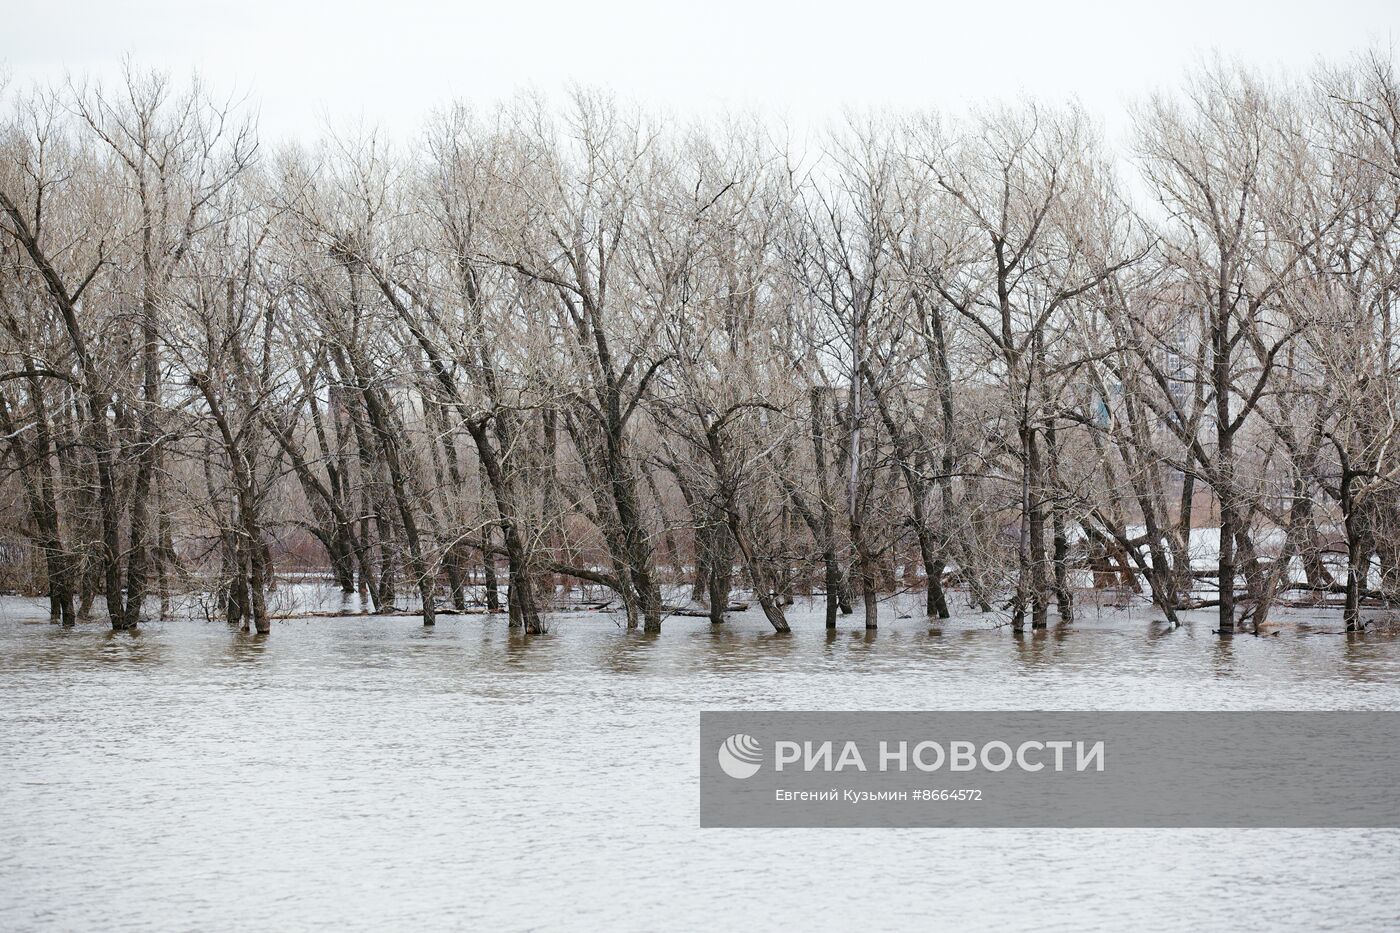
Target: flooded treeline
x=549 y=351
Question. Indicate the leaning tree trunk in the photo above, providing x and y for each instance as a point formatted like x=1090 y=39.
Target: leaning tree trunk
x=763 y=588
x=524 y=608
x=379 y=420
x=37 y=480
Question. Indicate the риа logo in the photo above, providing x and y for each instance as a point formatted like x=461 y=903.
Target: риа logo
x=740 y=756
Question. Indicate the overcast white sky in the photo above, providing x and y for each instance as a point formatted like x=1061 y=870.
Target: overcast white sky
x=389 y=63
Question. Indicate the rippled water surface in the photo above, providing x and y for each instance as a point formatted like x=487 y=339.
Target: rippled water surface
x=365 y=773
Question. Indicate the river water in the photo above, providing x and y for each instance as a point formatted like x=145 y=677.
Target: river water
x=365 y=773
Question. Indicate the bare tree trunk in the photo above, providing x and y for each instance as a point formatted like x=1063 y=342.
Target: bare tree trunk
x=1358 y=556
x=719 y=563
x=386 y=434
x=524 y=609
x=825 y=530
x=1035 y=528
x=1064 y=596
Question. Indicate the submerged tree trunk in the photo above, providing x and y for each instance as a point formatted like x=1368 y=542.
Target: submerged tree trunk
x=1064 y=597
x=386 y=434
x=1035 y=523
x=825 y=528
x=1358 y=555
x=251 y=544
x=719 y=564
x=524 y=608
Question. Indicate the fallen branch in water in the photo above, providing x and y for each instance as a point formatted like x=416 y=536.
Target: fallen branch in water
x=701 y=613
x=347 y=613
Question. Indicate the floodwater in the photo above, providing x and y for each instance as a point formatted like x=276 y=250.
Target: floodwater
x=365 y=773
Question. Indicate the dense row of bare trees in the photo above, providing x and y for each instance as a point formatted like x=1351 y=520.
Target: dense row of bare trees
x=551 y=352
